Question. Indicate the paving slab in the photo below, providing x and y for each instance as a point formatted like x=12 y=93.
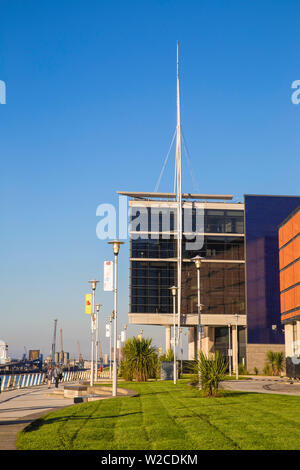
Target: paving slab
x=264 y=385
x=18 y=408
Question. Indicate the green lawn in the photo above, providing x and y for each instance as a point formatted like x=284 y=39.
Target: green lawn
x=171 y=417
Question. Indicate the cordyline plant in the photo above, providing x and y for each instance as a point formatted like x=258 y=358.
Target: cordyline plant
x=211 y=370
x=275 y=362
x=140 y=360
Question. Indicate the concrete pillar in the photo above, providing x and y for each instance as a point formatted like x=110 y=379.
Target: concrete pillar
x=234 y=345
x=208 y=340
x=168 y=338
x=288 y=338
x=192 y=342
x=297 y=340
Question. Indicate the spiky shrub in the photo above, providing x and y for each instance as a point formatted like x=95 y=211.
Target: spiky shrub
x=212 y=369
x=243 y=369
x=271 y=362
x=275 y=361
x=140 y=359
x=168 y=356
x=279 y=362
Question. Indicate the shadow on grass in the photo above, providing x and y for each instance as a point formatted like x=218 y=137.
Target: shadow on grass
x=42 y=422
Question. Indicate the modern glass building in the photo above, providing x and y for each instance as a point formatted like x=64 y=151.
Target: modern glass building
x=289 y=265
x=239 y=280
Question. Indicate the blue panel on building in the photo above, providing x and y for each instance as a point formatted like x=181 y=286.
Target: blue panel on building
x=263 y=215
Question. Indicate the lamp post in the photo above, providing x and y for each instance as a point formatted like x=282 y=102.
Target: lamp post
x=97 y=340
x=229 y=348
x=181 y=350
x=110 y=322
x=174 y=291
x=236 y=348
x=198 y=261
x=93 y=283
x=116 y=248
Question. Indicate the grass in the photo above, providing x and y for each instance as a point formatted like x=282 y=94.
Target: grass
x=171 y=417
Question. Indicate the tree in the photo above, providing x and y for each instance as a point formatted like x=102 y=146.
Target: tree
x=140 y=359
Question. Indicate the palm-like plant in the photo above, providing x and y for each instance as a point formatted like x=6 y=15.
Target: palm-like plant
x=275 y=362
x=168 y=356
x=278 y=360
x=140 y=359
x=212 y=370
x=271 y=361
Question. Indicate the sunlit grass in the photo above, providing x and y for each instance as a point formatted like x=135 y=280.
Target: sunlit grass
x=172 y=417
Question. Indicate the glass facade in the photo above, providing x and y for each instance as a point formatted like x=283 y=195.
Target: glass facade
x=221 y=342
x=150 y=283
x=222 y=287
x=154 y=267
x=263 y=215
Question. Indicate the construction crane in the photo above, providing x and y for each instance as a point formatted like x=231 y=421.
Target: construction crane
x=61 y=353
x=54 y=342
x=79 y=353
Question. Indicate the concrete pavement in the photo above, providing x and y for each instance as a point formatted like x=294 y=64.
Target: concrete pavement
x=274 y=385
x=18 y=408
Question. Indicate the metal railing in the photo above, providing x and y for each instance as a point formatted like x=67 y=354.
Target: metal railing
x=32 y=379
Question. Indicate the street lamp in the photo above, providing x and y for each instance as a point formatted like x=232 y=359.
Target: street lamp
x=116 y=248
x=198 y=261
x=173 y=289
x=229 y=347
x=97 y=339
x=236 y=347
x=93 y=283
x=110 y=322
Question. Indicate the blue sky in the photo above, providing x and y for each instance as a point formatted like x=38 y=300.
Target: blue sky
x=91 y=109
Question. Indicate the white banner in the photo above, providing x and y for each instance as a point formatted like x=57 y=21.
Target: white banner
x=94 y=322
x=118 y=344
x=107 y=334
x=108 y=284
x=123 y=336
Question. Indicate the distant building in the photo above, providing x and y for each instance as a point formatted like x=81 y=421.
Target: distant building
x=4 y=359
x=33 y=354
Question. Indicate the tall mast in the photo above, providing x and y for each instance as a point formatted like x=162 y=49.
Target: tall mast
x=178 y=196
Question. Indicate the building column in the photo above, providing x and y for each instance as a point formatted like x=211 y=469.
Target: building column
x=208 y=340
x=234 y=345
x=168 y=338
x=297 y=345
x=288 y=339
x=192 y=342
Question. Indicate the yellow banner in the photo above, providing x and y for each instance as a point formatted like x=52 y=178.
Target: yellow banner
x=88 y=304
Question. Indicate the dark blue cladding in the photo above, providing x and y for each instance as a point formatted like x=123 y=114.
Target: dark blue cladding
x=263 y=215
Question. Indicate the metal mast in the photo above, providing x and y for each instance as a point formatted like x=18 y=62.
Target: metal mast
x=178 y=196
x=54 y=342
x=61 y=359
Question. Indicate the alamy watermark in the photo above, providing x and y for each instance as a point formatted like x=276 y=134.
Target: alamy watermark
x=296 y=94
x=150 y=223
x=2 y=92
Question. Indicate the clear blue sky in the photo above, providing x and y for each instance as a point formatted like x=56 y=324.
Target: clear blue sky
x=91 y=108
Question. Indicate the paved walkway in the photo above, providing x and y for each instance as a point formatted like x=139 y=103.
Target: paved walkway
x=281 y=386
x=18 y=408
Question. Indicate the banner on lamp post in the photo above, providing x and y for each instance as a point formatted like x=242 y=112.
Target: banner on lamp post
x=94 y=323
x=88 y=304
x=123 y=336
x=108 y=276
x=107 y=331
